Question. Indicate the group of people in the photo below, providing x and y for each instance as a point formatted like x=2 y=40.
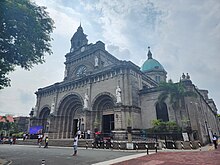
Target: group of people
x=40 y=140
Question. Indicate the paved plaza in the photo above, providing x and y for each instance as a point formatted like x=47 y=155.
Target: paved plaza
x=208 y=156
x=30 y=154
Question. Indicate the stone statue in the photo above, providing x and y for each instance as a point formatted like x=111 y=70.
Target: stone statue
x=65 y=73
x=118 y=94
x=86 y=101
x=96 y=61
x=52 y=107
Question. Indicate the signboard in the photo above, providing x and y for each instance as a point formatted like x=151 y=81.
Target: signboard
x=185 y=136
x=36 y=129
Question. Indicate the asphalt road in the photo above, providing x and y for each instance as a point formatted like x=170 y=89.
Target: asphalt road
x=33 y=155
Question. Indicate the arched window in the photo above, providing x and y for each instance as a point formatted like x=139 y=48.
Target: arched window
x=162 y=112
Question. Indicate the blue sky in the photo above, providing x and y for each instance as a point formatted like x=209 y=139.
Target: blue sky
x=184 y=36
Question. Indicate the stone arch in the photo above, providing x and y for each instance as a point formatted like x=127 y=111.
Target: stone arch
x=103 y=112
x=44 y=117
x=70 y=108
x=94 y=102
x=162 y=112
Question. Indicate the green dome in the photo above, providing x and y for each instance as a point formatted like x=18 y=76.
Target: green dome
x=151 y=64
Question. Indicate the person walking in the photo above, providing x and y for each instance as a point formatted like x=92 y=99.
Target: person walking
x=88 y=133
x=39 y=139
x=46 y=142
x=75 y=144
x=215 y=140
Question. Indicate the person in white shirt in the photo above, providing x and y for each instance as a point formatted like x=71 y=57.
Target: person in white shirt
x=75 y=145
x=215 y=140
x=88 y=134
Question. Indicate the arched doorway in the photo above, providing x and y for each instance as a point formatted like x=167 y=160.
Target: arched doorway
x=69 y=116
x=162 y=112
x=103 y=109
x=44 y=118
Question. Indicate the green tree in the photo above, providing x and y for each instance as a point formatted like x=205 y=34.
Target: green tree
x=176 y=93
x=161 y=126
x=6 y=125
x=25 y=30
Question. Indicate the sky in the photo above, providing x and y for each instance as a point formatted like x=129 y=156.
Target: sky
x=184 y=36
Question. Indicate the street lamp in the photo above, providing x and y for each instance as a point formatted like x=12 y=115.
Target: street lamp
x=207 y=131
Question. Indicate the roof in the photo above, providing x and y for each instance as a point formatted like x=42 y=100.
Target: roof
x=8 y=118
x=151 y=64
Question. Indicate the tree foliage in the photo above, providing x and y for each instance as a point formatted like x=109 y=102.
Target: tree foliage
x=25 y=30
x=175 y=91
x=161 y=126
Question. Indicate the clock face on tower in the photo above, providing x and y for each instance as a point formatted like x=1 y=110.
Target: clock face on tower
x=81 y=71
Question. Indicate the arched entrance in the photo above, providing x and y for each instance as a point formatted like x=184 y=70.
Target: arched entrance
x=44 y=118
x=103 y=109
x=69 y=116
x=161 y=111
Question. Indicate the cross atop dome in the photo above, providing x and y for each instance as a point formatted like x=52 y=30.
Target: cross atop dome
x=149 y=54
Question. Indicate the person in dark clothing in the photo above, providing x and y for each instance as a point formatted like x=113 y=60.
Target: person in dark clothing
x=215 y=140
x=46 y=142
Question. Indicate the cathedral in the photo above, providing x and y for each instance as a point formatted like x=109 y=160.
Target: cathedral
x=100 y=92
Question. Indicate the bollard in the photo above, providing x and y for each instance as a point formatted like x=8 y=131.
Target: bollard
x=164 y=145
x=182 y=146
x=146 y=146
x=93 y=145
x=43 y=162
x=119 y=145
x=105 y=146
x=173 y=145
x=200 y=146
x=87 y=144
x=111 y=145
x=190 y=144
x=136 y=146
x=155 y=145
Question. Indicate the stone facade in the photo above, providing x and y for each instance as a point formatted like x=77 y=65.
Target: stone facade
x=91 y=71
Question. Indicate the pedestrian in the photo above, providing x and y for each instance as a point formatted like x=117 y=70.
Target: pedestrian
x=10 y=140
x=24 y=136
x=75 y=144
x=88 y=133
x=46 y=142
x=39 y=139
x=215 y=140
x=79 y=134
x=14 y=139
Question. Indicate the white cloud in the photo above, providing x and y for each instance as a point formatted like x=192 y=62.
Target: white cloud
x=183 y=35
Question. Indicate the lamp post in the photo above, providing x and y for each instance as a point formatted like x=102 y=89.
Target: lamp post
x=207 y=131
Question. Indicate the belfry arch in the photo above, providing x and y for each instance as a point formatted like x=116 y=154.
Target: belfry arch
x=69 y=115
x=103 y=113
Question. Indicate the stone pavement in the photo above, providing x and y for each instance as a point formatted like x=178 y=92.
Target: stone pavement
x=207 y=156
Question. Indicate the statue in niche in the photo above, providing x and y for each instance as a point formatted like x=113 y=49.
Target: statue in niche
x=86 y=101
x=118 y=94
x=96 y=61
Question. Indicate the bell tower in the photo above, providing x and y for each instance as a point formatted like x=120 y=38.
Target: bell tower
x=79 y=39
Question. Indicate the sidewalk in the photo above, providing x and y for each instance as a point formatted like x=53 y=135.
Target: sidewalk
x=207 y=156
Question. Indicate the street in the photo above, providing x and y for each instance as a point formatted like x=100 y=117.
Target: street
x=31 y=154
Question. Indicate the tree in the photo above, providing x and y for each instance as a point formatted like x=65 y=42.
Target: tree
x=164 y=127
x=176 y=92
x=25 y=30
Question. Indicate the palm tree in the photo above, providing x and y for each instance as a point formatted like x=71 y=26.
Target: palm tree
x=176 y=92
